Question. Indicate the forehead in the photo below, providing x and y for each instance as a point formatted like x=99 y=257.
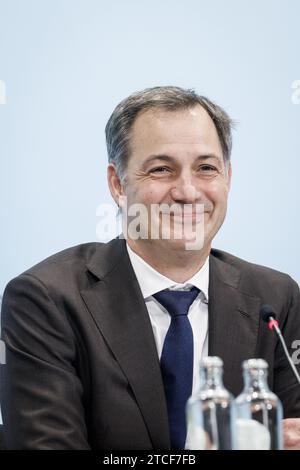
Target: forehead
x=182 y=128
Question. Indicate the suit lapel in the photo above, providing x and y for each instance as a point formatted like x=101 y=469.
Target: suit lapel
x=119 y=311
x=233 y=321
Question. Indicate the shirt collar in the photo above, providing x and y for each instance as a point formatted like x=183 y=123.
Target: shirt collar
x=151 y=281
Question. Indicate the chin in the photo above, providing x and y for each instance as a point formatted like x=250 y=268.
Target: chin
x=184 y=244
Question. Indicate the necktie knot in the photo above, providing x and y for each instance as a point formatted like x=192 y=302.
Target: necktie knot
x=177 y=302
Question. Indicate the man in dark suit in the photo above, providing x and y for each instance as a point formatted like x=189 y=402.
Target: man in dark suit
x=90 y=356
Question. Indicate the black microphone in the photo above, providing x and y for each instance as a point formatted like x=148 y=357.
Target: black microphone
x=268 y=315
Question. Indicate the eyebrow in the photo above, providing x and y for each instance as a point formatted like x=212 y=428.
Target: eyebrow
x=168 y=158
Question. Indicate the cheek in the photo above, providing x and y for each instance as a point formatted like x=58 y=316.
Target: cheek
x=217 y=192
x=151 y=193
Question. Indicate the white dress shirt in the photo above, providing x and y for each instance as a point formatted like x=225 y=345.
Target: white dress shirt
x=151 y=282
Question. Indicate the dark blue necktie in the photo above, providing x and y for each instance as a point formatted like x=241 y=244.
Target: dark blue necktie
x=177 y=360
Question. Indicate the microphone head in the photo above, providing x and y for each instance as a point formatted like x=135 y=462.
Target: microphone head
x=266 y=312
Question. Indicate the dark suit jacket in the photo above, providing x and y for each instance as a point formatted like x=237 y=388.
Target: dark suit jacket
x=82 y=367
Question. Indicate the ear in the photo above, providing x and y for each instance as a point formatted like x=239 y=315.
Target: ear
x=229 y=175
x=114 y=184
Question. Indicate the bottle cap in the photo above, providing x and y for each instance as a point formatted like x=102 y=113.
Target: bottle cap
x=211 y=361
x=255 y=364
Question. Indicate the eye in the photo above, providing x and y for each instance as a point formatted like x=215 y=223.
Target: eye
x=160 y=170
x=208 y=170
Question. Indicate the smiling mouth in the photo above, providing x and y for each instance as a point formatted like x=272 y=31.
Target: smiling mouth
x=186 y=213
x=192 y=217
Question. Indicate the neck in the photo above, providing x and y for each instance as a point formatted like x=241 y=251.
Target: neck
x=178 y=265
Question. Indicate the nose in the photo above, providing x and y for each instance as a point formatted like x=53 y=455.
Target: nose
x=184 y=190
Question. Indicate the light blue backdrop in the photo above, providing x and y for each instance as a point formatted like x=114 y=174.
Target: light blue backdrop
x=67 y=63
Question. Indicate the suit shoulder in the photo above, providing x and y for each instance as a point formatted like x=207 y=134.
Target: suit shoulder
x=252 y=272
x=61 y=267
x=75 y=255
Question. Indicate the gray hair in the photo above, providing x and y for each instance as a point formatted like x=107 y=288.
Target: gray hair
x=171 y=98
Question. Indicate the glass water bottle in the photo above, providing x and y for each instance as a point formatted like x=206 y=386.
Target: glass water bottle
x=259 y=411
x=210 y=412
